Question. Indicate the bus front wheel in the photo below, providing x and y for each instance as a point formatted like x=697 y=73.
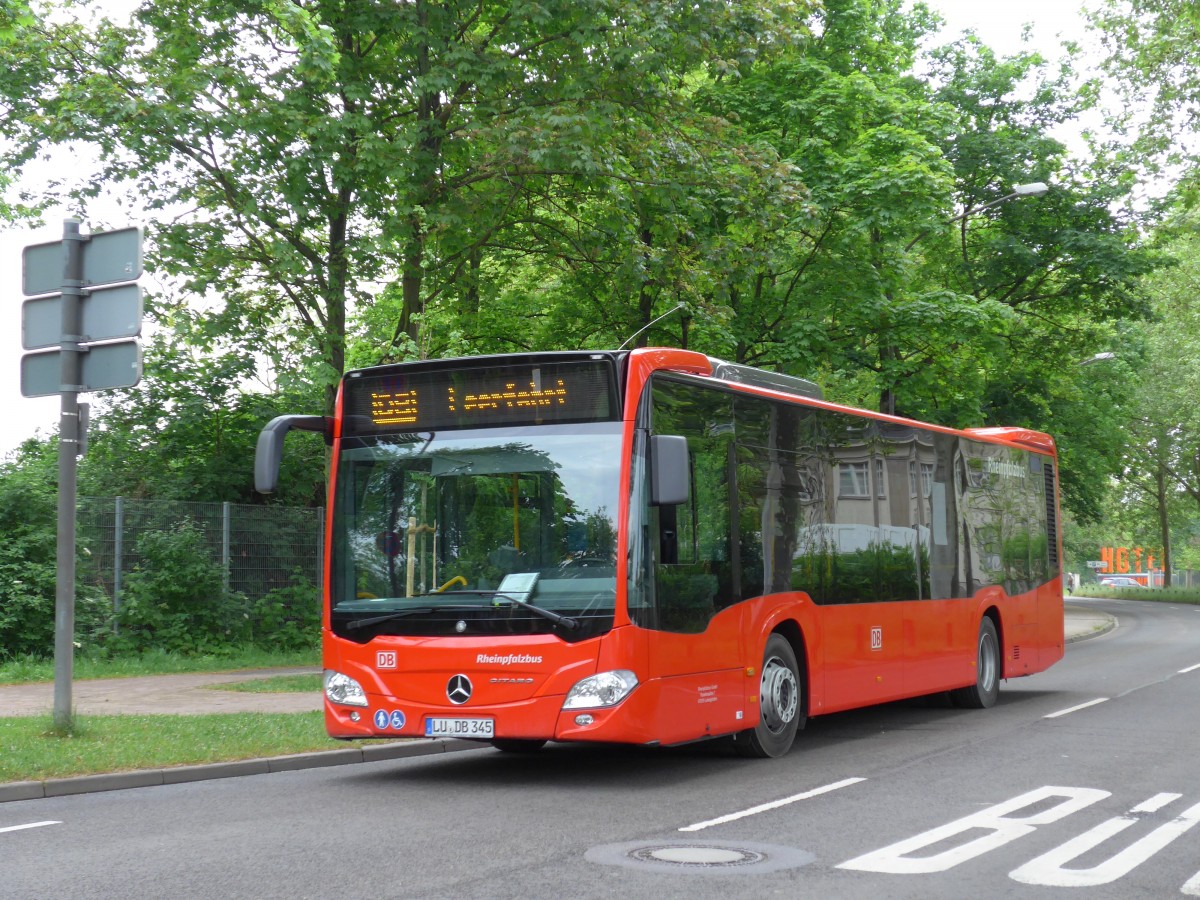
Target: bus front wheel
x=780 y=704
x=983 y=693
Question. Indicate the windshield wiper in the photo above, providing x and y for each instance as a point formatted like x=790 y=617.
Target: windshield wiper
x=558 y=618
x=401 y=613
x=497 y=596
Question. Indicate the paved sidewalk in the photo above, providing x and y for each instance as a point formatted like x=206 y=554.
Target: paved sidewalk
x=1083 y=622
x=188 y=694
x=193 y=694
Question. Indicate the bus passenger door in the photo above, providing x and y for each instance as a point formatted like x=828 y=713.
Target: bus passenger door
x=696 y=557
x=696 y=649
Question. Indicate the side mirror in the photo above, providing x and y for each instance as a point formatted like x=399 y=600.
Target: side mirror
x=268 y=452
x=669 y=472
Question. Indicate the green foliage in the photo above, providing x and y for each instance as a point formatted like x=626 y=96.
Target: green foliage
x=192 y=424
x=343 y=142
x=93 y=663
x=1159 y=371
x=822 y=193
x=1153 y=595
x=288 y=619
x=28 y=556
x=175 y=600
x=1153 y=60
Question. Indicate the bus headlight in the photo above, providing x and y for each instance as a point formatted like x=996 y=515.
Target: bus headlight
x=343 y=689
x=602 y=689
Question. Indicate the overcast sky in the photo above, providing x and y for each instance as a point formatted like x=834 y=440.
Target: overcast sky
x=998 y=24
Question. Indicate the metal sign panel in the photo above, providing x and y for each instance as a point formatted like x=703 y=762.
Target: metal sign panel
x=109 y=257
x=104 y=366
x=105 y=314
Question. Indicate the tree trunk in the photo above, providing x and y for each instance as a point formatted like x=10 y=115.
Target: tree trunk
x=1164 y=525
x=334 y=337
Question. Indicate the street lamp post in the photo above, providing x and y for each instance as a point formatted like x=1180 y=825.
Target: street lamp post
x=1032 y=189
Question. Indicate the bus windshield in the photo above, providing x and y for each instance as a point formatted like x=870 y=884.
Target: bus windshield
x=496 y=531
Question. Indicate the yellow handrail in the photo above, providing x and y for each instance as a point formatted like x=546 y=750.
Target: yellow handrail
x=457 y=578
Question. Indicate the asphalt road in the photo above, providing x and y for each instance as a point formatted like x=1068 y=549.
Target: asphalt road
x=1082 y=781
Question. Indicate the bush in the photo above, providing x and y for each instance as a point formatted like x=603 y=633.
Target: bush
x=1161 y=595
x=28 y=553
x=175 y=600
x=287 y=618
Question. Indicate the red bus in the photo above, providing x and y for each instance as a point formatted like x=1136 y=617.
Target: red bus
x=657 y=547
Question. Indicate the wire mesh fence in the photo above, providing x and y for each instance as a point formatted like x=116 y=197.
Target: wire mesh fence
x=258 y=548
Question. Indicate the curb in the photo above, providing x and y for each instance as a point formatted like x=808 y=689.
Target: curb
x=116 y=781
x=1107 y=624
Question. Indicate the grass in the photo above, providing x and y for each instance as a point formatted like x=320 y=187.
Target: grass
x=32 y=751
x=1157 y=595
x=26 y=669
x=279 y=684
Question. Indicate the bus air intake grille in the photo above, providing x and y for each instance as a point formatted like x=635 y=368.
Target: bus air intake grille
x=1051 y=514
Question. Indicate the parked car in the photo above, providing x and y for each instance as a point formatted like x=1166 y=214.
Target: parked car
x=1120 y=581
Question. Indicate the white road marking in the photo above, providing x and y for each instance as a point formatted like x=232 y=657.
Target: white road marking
x=30 y=825
x=1155 y=803
x=1063 y=712
x=998 y=821
x=774 y=804
x=1189 y=669
x=1050 y=870
x=1192 y=887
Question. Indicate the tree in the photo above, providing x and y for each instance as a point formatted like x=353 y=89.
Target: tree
x=1060 y=274
x=1162 y=455
x=192 y=423
x=296 y=152
x=829 y=291
x=1154 y=61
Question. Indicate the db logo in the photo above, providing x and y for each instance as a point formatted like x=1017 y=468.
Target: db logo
x=385 y=659
x=876 y=638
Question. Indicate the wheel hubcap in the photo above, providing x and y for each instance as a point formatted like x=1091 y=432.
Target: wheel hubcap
x=779 y=695
x=987 y=662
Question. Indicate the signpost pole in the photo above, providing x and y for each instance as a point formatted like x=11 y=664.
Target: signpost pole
x=68 y=446
x=97 y=304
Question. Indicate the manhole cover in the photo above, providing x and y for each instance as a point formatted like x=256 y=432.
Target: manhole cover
x=698 y=856
x=708 y=857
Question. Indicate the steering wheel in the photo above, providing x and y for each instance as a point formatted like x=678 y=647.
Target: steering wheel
x=573 y=568
x=600 y=598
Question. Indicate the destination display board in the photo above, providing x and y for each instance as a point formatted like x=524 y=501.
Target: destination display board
x=538 y=393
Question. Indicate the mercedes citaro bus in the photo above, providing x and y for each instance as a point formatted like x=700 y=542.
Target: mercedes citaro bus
x=656 y=547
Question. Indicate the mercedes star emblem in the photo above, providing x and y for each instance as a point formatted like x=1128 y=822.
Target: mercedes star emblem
x=459 y=689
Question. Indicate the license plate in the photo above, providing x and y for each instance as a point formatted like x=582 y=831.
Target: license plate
x=463 y=728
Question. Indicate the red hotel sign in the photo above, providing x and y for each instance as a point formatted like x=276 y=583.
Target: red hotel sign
x=1122 y=560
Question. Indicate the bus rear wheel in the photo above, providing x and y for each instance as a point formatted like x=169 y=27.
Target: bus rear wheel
x=983 y=693
x=780 y=704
